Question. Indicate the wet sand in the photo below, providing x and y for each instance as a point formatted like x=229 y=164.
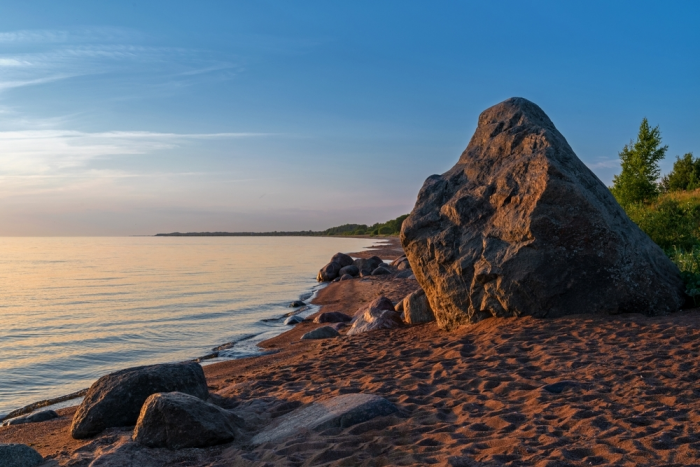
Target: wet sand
x=475 y=396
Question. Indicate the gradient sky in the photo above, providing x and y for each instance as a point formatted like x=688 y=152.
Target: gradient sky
x=121 y=118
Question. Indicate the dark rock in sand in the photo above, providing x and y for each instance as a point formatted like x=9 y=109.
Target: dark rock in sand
x=520 y=226
x=417 y=309
x=367 y=265
x=338 y=412
x=116 y=399
x=346 y=277
x=332 y=317
x=379 y=314
x=19 y=455
x=406 y=274
x=381 y=271
x=32 y=418
x=328 y=272
x=175 y=420
x=351 y=270
x=561 y=386
x=296 y=304
x=339 y=326
x=293 y=320
x=342 y=259
x=324 y=332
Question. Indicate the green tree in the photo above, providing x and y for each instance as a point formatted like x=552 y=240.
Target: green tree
x=684 y=176
x=640 y=167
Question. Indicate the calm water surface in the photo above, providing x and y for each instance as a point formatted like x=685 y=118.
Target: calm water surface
x=73 y=309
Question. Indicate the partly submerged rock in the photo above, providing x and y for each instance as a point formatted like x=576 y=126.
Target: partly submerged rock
x=332 y=317
x=520 y=226
x=417 y=309
x=324 y=332
x=35 y=417
x=296 y=304
x=292 y=320
x=338 y=412
x=379 y=314
x=116 y=399
x=175 y=420
x=19 y=455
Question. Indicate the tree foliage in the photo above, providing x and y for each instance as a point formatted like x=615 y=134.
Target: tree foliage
x=684 y=176
x=637 y=183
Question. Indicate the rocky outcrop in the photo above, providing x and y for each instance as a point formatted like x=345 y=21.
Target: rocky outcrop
x=32 y=418
x=328 y=272
x=116 y=399
x=19 y=455
x=379 y=314
x=175 y=420
x=325 y=332
x=416 y=308
x=332 y=317
x=338 y=412
x=520 y=226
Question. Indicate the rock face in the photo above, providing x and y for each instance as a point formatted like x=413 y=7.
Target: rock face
x=342 y=412
x=379 y=314
x=116 y=399
x=332 y=317
x=520 y=226
x=417 y=309
x=175 y=420
x=32 y=418
x=325 y=332
x=19 y=455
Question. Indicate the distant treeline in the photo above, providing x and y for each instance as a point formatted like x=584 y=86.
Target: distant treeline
x=392 y=227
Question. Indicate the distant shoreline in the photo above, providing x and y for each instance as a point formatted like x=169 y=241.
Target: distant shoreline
x=267 y=234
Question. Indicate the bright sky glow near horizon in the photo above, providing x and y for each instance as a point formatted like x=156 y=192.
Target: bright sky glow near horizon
x=126 y=118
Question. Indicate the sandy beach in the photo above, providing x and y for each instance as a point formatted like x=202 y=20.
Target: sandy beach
x=475 y=396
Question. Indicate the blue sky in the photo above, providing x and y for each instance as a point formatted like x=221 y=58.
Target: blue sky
x=121 y=118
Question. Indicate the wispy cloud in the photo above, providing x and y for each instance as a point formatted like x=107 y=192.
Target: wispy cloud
x=605 y=164
x=41 y=152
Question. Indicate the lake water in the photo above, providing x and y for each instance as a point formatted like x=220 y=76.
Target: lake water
x=74 y=309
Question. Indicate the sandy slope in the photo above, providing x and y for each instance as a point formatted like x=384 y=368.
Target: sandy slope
x=470 y=397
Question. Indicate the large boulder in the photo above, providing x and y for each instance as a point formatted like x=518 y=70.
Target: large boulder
x=19 y=455
x=328 y=272
x=175 y=420
x=416 y=308
x=342 y=259
x=338 y=412
x=379 y=314
x=116 y=399
x=520 y=226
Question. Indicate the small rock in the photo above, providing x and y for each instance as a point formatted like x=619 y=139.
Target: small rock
x=381 y=271
x=293 y=320
x=404 y=265
x=351 y=270
x=116 y=399
x=405 y=274
x=345 y=277
x=339 y=326
x=337 y=279
x=332 y=317
x=324 y=332
x=398 y=260
x=176 y=420
x=561 y=386
x=296 y=304
x=379 y=314
x=342 y=259
x=19 y=455
x=328 y=272
x=32 y=418
x=417 y=308
x=342 y=412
